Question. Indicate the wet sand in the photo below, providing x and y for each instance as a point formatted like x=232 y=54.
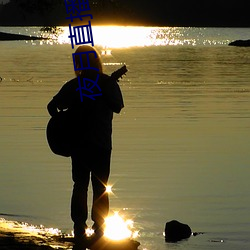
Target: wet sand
x=15 y=235
x=9 y=241
x=12 y=241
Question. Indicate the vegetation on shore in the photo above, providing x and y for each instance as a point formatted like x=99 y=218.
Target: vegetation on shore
x=53 y=13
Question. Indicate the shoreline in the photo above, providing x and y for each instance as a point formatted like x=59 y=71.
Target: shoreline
x=17 y=37
x=11 y=242
x=15 y=235
x=18 y=235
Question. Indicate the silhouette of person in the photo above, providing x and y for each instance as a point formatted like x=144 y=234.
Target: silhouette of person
x=92 y=114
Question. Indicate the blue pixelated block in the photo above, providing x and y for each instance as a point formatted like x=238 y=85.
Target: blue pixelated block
x=76 y=6
x=71 y=17
x=80 y=35
x=82 y=66
x=86 y=88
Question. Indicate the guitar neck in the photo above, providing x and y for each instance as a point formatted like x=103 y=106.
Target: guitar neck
x=119 y=73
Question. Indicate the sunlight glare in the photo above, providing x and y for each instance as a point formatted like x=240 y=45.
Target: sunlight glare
x=110 y=37
x=117 y=228
x=89 y=232
x=28 y=229
x=108 y=189
x=63 y=37
x=121 y=36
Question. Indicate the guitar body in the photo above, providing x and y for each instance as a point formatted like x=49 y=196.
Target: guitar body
x=59 y=134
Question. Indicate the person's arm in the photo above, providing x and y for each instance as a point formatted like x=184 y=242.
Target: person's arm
x=52 y=108
x=60 y=101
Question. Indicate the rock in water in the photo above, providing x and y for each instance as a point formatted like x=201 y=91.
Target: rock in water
x=176 y=231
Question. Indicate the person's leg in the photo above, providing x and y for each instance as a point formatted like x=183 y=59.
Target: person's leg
x=79 y=207
x=99 y=178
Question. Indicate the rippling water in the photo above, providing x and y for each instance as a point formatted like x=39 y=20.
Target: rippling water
x=180 y=146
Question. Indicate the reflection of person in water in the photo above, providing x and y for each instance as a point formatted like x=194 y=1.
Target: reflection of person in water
x=91 y=150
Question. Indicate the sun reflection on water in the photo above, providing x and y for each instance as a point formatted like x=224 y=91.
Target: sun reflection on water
x=116 y=228
x=109 y=189
x=109 y=37
x=114 y=36
x=125 y=37
x=121 y=36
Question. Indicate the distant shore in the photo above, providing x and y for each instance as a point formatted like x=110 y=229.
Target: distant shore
x=240 y=43
x=15 y=37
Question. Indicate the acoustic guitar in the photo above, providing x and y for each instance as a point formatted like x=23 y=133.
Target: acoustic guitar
x=59 y=126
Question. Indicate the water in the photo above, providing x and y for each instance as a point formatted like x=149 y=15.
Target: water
x=180 y=146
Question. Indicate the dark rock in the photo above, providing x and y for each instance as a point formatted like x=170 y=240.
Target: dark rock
x=176 y=231
x=240 y=43
x=12 y=37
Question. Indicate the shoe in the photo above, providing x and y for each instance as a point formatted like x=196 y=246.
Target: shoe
x=98 y=229
x=80 y=230
x=80 y=237
x=81 y=242
x=98 y=234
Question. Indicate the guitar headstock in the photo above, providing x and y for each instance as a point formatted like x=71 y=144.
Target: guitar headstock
x=119 y=73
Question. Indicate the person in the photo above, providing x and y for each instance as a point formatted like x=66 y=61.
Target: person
x=91 y=119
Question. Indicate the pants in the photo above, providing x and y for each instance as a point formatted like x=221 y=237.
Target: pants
x=88 y=162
